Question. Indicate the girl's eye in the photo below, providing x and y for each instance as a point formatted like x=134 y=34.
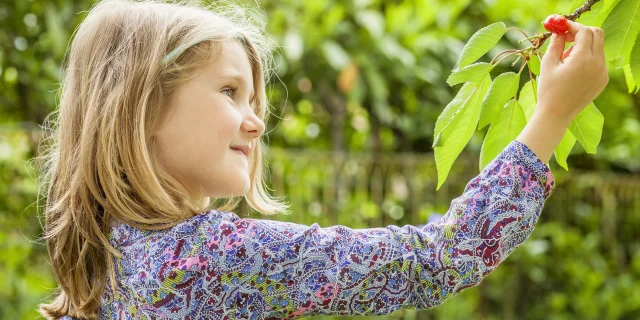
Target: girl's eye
x=231 y=91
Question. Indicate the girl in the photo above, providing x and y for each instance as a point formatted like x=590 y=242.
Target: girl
x=162 y=108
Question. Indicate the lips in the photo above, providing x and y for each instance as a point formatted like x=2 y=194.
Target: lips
x=242 y=149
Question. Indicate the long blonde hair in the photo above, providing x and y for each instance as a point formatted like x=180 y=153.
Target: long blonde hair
x=98 y=166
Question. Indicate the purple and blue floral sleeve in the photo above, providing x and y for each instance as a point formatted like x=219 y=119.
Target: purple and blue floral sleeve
x=221 y=266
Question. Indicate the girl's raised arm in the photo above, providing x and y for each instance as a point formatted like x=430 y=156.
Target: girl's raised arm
x=283 y=270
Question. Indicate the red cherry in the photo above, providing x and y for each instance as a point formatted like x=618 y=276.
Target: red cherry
x=556 y=23
x=549 y=23
x=562 y=25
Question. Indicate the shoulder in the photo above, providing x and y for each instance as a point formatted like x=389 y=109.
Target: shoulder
x=165 y=269
x=125 y=235
x=180 y=246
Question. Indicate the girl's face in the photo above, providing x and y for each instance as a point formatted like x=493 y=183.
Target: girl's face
x=210 y=126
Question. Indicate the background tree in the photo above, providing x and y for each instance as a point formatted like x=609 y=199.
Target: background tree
x=359 y=89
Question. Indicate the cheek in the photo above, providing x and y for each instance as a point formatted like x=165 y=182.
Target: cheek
x=225 y=125
x=197 y=139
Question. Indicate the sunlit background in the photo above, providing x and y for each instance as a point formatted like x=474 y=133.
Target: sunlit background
x=359 y=87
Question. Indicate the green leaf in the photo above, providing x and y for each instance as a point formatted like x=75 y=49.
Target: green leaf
x=503 y=88
x=394 y=50
x=621 y=30
x=371 y=20
x=336 y=56
x=528 y=98
x=451 y=110
x=380 y=94
x=437 y=142
x=472 y=73
x=480 y=43
x=564 y=149
x=397 y=15
x=504 y=130
x=587 y=128
x=628 y=77
x=634 y=65
x=377 y=84
x=534 y=64
x=458 y=131
x=56 y=29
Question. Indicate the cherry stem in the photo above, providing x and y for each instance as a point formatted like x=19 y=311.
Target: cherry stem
x=515 y=97
x=524 y=62
x=532 y=37
x=521 y=52
x=535 y=94
x=507 y=56
x=516 y=28
x=503 y=52
x=518 y=59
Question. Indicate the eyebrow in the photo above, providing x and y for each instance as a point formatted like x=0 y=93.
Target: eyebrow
x=238 y=78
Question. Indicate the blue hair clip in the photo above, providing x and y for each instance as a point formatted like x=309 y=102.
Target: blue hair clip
x=170 y=55
x=179 y=50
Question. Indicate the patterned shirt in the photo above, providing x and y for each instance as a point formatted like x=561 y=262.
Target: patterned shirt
x=217 y=265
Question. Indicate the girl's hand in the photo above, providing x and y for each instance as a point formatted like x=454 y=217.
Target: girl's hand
x=571 y=79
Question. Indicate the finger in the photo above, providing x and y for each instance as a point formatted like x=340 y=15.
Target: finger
x=598 y=42
x=568 y=37
x=567 y=52
x=583 y=36
x=555 y=49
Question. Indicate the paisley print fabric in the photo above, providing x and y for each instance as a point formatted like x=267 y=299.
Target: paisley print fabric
x=218 y=265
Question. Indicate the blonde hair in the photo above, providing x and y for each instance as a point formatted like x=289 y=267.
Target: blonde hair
x=98 y=167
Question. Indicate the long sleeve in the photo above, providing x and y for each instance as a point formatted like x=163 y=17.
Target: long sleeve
x=263 y=269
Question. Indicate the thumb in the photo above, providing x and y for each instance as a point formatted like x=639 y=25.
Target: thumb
x=555 y=49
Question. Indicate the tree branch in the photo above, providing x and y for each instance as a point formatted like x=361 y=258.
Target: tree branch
x=584 y=8
x=573 y=17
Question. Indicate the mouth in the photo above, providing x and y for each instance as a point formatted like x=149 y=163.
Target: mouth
x=242 y=150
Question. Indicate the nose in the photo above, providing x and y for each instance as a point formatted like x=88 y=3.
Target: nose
x=252 y=125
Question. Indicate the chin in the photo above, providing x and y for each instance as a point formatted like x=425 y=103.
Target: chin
x=236 y=186
x=242 y=187
x=246 y=188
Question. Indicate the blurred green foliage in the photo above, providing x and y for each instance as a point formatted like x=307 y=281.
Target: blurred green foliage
x=360 y=84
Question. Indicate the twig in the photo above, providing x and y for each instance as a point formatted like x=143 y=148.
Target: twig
x=516 y=28
x=503 y=52
x=584 y=8
x=573 y=17
x=524 y=62
x=507 y=56
x=518 y=59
